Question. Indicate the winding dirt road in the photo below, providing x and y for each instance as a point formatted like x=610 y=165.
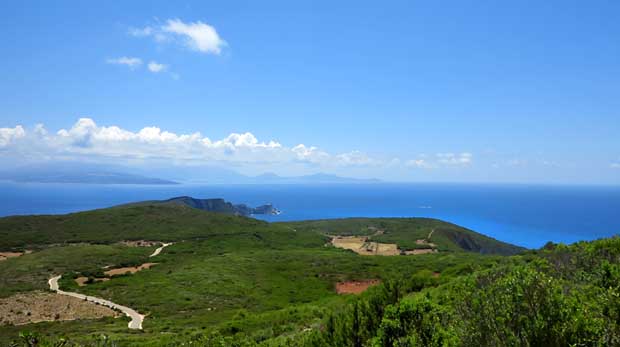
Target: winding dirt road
x=136 y=318
x=428 y=238
x=159 y=249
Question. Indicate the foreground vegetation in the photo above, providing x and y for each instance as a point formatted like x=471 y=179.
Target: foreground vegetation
x=233 y=281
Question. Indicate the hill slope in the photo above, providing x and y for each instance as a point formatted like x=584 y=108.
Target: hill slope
x=410 y=233
x=226 y=274
x=163 y=222
x=185 y=218
x=231 y=280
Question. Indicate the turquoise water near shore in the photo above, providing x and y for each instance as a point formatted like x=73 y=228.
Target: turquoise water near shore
x=526 y=215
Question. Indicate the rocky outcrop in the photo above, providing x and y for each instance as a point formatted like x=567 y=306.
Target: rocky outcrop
x=222 y=206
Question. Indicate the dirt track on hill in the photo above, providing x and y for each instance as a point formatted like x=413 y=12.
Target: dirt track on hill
x=136 y=318
x=159 y=249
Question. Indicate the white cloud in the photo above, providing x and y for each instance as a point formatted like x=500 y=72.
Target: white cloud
x=245 y=140
x=309 y=154
x=87 y=139
x=156 y=67
x=40 y=130
x=355 y=158
x=131 y=62
x=440 y=160
x=615 y=165
x=454 y=159
x=8 y=135
x=419 y=163
x=141 y=32
x=198 y=36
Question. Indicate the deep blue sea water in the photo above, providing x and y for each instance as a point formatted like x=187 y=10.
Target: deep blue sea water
x=524 y=215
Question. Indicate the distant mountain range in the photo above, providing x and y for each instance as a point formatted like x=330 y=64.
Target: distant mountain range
x=77 y=174
x=219 y=175
x=71 y=172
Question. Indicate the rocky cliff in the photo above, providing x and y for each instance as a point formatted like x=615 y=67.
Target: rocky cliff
x=222 y=206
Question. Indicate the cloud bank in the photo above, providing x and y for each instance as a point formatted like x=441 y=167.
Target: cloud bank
x=440 y=160
x=88 y=140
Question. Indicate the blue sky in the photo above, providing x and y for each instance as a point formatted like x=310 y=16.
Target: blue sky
x=473 y=91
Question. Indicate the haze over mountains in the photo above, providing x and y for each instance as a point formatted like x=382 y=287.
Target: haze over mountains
x=75 y=173
x=69 y=172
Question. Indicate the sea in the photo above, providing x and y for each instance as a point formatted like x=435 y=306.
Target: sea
x=525 y=215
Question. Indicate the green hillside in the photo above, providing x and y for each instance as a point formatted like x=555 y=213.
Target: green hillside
x=163 y=222
x=235 y=281
x=565 y=296
x=175 y=221
x=406 y=231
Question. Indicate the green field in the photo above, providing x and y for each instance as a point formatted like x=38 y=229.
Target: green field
x=231 y=280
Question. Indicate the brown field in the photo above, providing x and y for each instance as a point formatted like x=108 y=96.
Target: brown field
x=81 y=281
x=25 y=308
x=349 y=242
x=385 y=248
x=361 y=245
x=355 y=287
x=124 y=270
x=7 y=255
